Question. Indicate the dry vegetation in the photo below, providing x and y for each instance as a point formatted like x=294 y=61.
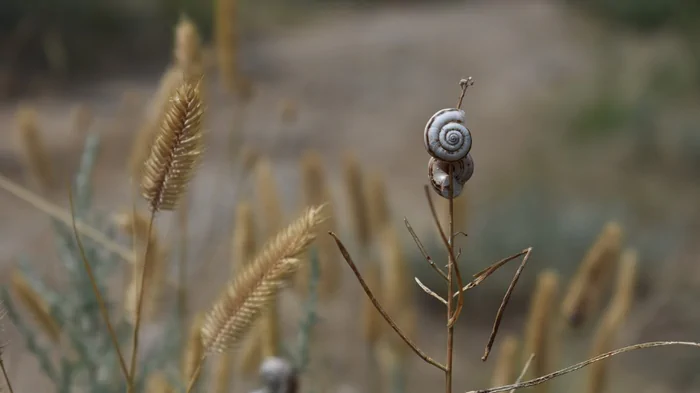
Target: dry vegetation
x=240 y=332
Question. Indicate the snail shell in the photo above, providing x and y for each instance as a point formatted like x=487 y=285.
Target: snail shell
x=438 y=172
x=445 y=137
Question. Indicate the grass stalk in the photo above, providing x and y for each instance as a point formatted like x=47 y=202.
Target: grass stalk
x=98 y=295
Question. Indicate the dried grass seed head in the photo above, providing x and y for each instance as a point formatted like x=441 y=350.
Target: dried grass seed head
x=596 y=268
x=248 y=295
x=176 y=150
x=36 y=306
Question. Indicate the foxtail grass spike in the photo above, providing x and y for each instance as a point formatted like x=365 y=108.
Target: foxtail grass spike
x=249 y=294
x=176 y=150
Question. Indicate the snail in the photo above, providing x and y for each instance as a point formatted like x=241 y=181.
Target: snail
x=445 y=136
x=438 y=172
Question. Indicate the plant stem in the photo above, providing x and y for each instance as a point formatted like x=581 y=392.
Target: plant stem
x=450 y=265
x=4 y=374
x=96 y=290
x=182 y=266
x=195 y=374
x=139 y=305
x=578 y=366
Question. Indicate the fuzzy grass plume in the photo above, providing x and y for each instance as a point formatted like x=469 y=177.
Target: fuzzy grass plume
x=248 y=295
x=176 y=150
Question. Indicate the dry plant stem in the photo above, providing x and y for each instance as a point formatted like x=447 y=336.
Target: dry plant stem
x=484 y=274
x=578 y=366
x=430 y=291
x=452 y=317
x=422 y=250
x=4 y=374
x=379 y=308
x=504 y=303
x=182 y=262
x=98 y=296
x=61 y=215
x=524 y=371
x=195 y=373
x=139 y=305
x=452 y=264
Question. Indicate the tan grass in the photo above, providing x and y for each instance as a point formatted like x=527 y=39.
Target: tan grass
x=154 y=278
x=358 y=208
x=583 y=294
x=316 y=192
x=243 y=242
x=226 y=40
x=188 y=50
x=36 y=306
x=81 y=119
x=249 y=294
x=504 y=371
x=538 y=330
x=273 y=216
x=158 y=383
x=193 y=350
x=36 y=156
x=377 y=202
x=612 y=320
x=176 y=150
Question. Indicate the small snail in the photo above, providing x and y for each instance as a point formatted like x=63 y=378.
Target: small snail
x=438 y=173
x=445 y=136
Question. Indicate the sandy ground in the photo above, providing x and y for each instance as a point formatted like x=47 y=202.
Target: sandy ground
x=362 y=82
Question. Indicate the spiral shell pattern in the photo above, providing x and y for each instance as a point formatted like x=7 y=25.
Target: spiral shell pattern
x=445 y=137
x=438 y=173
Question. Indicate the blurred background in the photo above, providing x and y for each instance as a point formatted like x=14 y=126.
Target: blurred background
x=582 y=113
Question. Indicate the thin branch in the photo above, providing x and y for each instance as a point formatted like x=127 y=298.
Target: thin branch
x=430 y=291
x=4 y=374
x=484 y=274
x=464 y=84
x=504 y=303
x=450 y=251
x=578 y=366
x=60 y=214
x=96 y=290
x=422 y=249
x=378 y=306
x=524 y=371
x=454 y=236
